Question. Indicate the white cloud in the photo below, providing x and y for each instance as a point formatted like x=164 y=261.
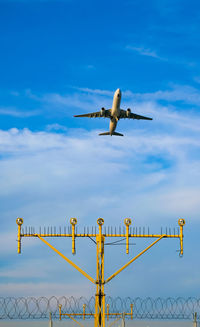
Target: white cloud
x=95 y=91
x=145 y=52
x=56 y=127
x=17 y=113
x=25 y=270
x=45 y=166
x=68 y=104
x=45 y=289
x=184 y=93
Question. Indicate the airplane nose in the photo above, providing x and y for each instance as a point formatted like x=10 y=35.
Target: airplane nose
x=118 y=91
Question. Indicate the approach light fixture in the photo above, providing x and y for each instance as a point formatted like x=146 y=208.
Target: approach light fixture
x=100 y=221
x=127 y=221
x=73 y=221
x=19 y=221
x=181 y=222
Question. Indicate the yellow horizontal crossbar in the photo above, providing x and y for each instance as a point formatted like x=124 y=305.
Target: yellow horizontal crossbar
x=93 y=314
x=105 y=235
x=77 y=314
x=68 y=260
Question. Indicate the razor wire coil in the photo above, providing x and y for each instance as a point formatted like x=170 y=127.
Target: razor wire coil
x=143 y=308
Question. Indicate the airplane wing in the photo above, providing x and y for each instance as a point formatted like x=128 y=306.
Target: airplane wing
x=98 y=114
x=131 y=115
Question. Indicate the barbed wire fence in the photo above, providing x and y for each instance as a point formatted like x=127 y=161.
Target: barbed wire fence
x=148 y=308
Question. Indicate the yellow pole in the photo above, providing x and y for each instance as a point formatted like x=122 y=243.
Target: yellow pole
x=19 y=222
x=127 y=239
x=60 y=307
x=127 y=222
x=181 y=223
x=96 y=320
x=73 y=240
x=73 y=222
x=19 y=239
x=103 y=294
x=181 y=240
x=84 y=306
x=100 y=235
x=107 y=311
x=96 y=305
x=100 y=296
x=131 y=311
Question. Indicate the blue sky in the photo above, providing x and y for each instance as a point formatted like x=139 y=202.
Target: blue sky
x=61 y=58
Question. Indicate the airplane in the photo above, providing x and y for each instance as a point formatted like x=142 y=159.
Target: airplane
x=115 y=114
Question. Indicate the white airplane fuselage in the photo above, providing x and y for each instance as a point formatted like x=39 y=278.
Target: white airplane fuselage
x=115 y=111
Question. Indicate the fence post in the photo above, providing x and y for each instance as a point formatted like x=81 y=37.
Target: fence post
x=50 y=320
x=84 y=306
x=123 y=319
x=107 y=311
x=131 y=311
x=195 y=319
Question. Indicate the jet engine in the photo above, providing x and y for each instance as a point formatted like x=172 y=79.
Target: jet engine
x=103 y=112
x=128 y=112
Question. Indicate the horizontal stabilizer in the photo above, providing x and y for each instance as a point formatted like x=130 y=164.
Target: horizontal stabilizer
x=114 y=133
x=106 y=133
x=118 y=134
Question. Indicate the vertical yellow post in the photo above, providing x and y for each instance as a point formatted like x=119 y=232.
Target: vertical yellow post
x=131 y=311
x=100 y=296
x=60 y=307
x=19 y=222
x=84 y=306
x=107 y=311
x=127 y=239
x=100 y=233
x=19 y=239
x=73 y=240
x=127 y=222
x=73 y=222
x=181 y=223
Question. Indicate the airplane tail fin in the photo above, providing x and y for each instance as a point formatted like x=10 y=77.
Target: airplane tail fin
x=114 y=133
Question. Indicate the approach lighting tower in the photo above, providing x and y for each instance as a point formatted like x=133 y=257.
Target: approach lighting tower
x=100 y=235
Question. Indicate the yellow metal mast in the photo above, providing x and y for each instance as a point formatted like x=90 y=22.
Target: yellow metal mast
x=100 y=296
x=99 y=315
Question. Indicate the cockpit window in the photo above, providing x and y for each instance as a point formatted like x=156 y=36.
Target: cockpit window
x=118 y=95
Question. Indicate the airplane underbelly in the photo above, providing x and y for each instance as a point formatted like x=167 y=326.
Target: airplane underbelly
x=113 y=124
x=115 y=112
